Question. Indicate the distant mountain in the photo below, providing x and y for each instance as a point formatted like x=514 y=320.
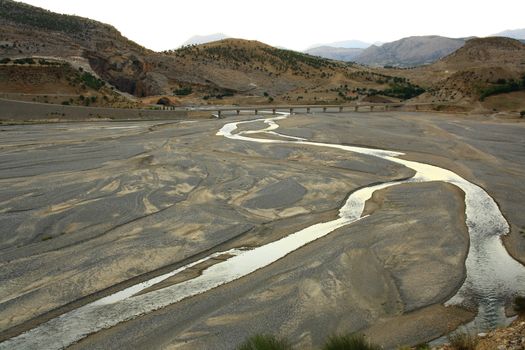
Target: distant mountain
x=203 y=39
x=335 y=53
x=512 y=33
x=349 y=44
x=409 y=52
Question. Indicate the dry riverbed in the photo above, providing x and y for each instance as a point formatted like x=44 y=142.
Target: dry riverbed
x=87 y=209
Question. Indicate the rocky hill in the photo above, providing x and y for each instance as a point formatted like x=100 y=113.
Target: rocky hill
x=482 y=68
x=225 y=71
x=409 y=52
x=234 y=71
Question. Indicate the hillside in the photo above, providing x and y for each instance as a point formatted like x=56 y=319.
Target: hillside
x=225 y=71
x=235 y=71
x=409 y=52
x=483 y=67
x=30 y=31
x=335 y=53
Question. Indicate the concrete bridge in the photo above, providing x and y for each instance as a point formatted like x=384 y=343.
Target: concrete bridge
x=310 y=108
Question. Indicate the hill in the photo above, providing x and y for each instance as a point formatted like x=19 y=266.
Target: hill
x=409 y=52
x=225 y=71
x=335 y=53
x=483 y=67
x=253 y=70
x=235 y=71
x=28 y=31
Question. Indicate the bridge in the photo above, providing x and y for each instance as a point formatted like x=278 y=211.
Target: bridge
x=310 y=108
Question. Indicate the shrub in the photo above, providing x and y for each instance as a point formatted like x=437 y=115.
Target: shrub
x=5 y=60
x=522 y=114
x=265 y=342
x=519 y=301
x=349 y=342
x=91 y=81
x=463 y=341
x=183 y=91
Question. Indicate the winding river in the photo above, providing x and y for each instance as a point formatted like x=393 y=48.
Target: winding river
x=492 y=276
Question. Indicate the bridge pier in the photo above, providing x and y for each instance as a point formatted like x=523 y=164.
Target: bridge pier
x=371 y=108
x=291 y=111
x=307 y=110
x=238 y=111
x=340 y=109
x=356 y=108
x=219 y=113
x=256 y=111
x=273 y=110
x=324 y=109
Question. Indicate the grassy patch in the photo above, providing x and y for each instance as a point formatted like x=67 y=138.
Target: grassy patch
x=519 y=304
x=265 y=342
x=503 y=86
x=91 y=81
x=349 y=342
x=463 y=341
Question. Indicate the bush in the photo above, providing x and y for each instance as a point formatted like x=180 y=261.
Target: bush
x=522 y=114
x=265 y=342
x=519 y=301
x=5 y=60
x=183 y=91
x=463 y=341
x=503 y=86
x=91 y=81
x=28 y=60
x=349 y=342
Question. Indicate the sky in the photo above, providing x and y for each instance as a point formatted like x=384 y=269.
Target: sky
x=297 y=25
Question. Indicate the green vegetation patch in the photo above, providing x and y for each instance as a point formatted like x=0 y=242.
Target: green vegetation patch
x=349 y=342
x=502 y=86
x=519 y=304
x=265 y=342
x=183 y=91
x=463 y=341
x=91 y=81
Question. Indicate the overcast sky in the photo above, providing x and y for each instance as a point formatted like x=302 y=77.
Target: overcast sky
x=166 y=24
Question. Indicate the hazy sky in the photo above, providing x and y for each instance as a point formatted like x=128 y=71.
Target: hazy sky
x=166 y=24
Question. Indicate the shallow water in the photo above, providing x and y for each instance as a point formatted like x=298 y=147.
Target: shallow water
x=492 y=275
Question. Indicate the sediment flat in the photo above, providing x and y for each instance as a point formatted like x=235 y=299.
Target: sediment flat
x=88 y=208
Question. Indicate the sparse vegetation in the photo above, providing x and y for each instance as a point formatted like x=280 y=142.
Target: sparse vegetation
x=502 y=86
x=27 y=60
x=519 y=304
x=265 y=342
x=183 y=91
x=463 y=341
x=349 y=342
x=91 y=81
